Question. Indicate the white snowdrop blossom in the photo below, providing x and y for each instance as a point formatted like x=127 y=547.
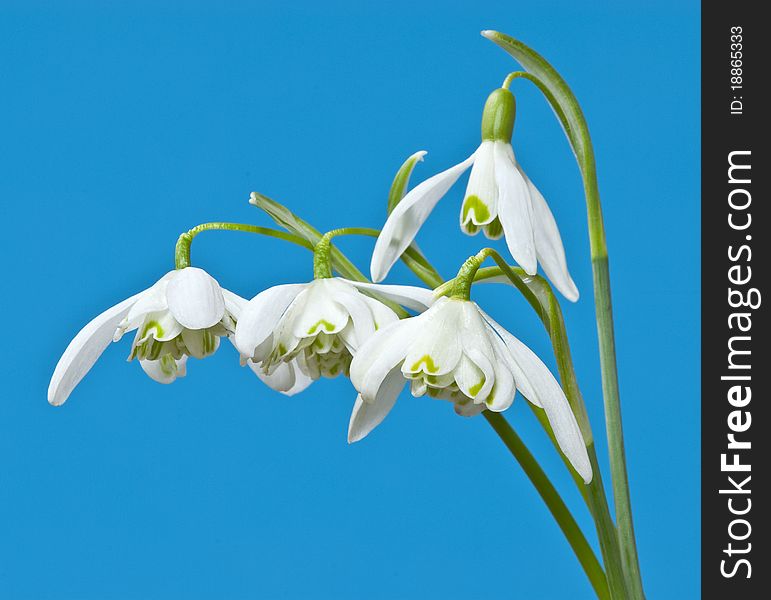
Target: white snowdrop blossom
x=184 y=314
x=296 y=333
x=500 y=200
x=455 y=351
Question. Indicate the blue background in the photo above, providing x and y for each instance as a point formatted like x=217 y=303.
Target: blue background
x=124 y=124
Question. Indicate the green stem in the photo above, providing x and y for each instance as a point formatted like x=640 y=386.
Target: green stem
x=417 y=263
x=182 y=249
x=609 y=373
x=322 y=251
x=511 y=77
x=553 y=501
x=614 y=426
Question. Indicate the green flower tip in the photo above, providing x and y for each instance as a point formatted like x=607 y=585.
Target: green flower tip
x=498 y=116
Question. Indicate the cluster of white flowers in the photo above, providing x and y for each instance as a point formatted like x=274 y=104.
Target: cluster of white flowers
x=292 y=335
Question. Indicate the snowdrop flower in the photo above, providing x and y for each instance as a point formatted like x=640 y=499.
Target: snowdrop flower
x=183 y=314
x=296 y=333
x=500 y=200
x=455 y=351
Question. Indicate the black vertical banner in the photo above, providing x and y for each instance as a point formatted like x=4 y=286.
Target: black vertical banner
x=736 y=561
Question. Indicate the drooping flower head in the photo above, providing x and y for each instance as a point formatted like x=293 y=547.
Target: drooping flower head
x=312 y=330
x=184 y=314
x=455 y=351
x=500 y=200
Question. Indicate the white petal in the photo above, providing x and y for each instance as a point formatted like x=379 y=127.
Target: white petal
x=382 y=315
x=380 y=354
x=505 y=390
x=200 y=343
x=318 y=312
x=195 y=298
x=166 y=369
x=514 y=209
x=548 y=244
x=437 y=350
x=368 y=415
x=160 y=325
x=471 y=379
x=482 y=186
x=415 y=298
x=261 y=314
x=540 y=387
x=287 y=378
x=361 y=316
x=468 y=408
x=84 y=349
x=152 y=300
x=476 y=374
x=500 y=335
x=403 y=223
x=234 y=303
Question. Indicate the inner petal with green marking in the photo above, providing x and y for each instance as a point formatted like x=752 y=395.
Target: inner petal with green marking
x=321 y=324
x=426 y=364
x=476 y=211
x=319 y=353
x=150 y=342
x=474 y=389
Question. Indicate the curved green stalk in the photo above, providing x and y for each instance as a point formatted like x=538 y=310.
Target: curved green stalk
x=568 y=111
x=553 y=501
x=182 y=249
x=322 y=259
